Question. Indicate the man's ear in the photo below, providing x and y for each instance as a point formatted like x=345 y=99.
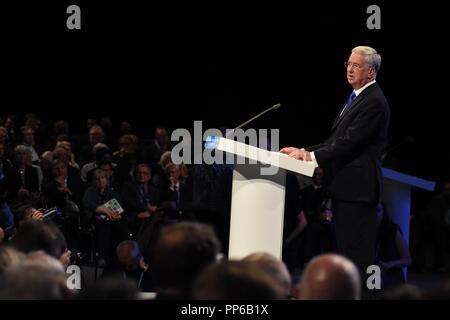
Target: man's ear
x=372 y=74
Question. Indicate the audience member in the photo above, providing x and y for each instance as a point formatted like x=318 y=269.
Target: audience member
x=182 y=251
x=330 y=277
x=275 y=268
x=236 y=280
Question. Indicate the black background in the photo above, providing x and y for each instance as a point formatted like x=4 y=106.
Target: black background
x=171 y=63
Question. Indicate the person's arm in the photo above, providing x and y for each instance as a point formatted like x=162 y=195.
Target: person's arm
x=301 y=225
x=402 y=248
x=132 y=205
x=314 y=147
x=90 y=203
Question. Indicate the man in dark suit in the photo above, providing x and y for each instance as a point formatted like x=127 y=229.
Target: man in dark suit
x=351 y=158
x=141 y=202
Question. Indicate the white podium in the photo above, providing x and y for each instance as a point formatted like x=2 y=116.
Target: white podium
x=258 y=196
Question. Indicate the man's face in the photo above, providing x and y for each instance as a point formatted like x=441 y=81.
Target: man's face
x=91 y=123
x=127 y=146
x=162 y=136
x=66 y=145
x=101 y=181
x=95 y=136
x=174 y=174
x=28 y=136
x=62 y=155
x=59 y=169
x=3 y=135
x=106 y=168
x=125 y=127
x=143 y=174
x=358 y=72
x=22 y=156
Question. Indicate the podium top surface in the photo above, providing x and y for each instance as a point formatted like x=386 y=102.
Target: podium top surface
x=408 y=180
x=255 y=154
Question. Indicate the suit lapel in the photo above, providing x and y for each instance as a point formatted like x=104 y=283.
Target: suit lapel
x=355 y=102
x=350 y=108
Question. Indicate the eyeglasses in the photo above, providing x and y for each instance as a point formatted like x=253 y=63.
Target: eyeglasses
x=353 y=65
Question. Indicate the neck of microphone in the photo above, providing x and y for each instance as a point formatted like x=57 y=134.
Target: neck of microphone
x=276 y=106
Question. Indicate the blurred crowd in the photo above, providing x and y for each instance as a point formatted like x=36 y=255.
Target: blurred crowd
x=110 y=199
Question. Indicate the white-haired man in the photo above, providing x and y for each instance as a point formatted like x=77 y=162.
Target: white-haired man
x=351 y=157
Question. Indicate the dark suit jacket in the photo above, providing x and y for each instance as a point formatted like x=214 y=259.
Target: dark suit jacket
x=351 y=155
x=182 y=198
x=54 y=197
x=133 y=201
x=14 y=181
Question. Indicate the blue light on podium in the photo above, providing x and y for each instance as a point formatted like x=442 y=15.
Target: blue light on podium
x=211 y=142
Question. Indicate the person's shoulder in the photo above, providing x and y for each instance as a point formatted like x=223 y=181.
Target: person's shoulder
x=375 y=98
x=375 y=91
x=72 y=171
x=130 y=184
x=91 y=190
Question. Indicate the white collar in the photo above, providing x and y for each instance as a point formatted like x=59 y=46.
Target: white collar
x=357 y=92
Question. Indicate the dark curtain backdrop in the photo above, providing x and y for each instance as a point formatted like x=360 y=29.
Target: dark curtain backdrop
x=222 y=62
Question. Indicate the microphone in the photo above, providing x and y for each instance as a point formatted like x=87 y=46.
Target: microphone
x=274 y=107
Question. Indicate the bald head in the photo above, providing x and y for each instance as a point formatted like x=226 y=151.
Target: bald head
x=129 y=255
x=330 y=277
x=274 y=267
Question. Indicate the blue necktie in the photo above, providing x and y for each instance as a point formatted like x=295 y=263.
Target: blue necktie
x=349 y=102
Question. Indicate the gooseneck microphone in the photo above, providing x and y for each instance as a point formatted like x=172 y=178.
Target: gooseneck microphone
x=274 y=107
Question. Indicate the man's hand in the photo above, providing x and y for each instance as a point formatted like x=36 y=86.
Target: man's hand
x=109 y=213
x=299 y=154
x=115 y=216
x=143 y=215
x=36 y=215
x=65 y=258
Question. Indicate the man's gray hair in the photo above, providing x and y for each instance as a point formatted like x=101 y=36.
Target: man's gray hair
x=21 y=149
x=372 y=57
